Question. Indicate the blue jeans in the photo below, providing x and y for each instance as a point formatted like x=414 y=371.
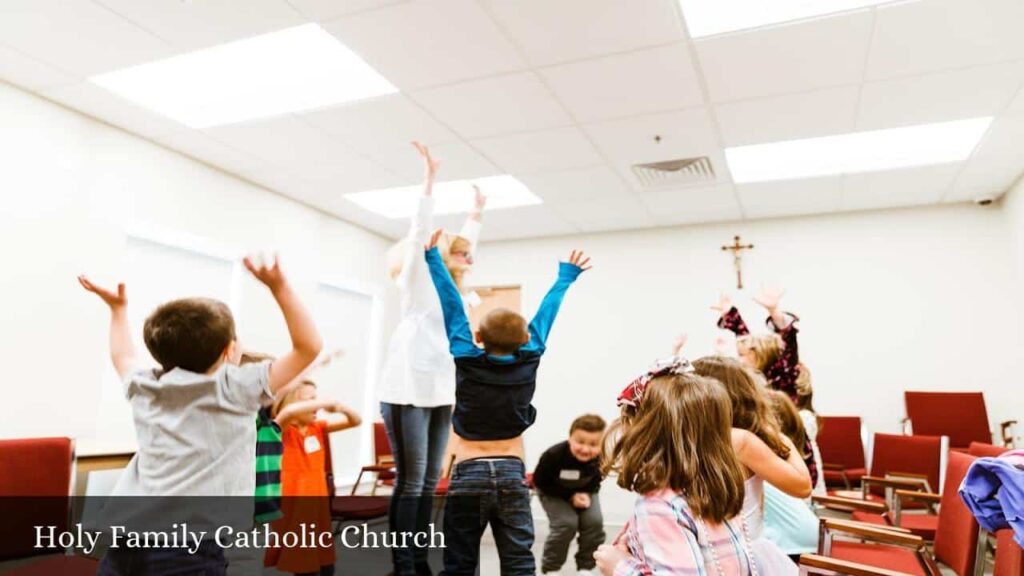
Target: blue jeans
x=418 y=438
x=207 y=561
x=488 y=491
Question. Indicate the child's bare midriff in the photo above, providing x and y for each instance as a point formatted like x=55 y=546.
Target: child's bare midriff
x=467 y=449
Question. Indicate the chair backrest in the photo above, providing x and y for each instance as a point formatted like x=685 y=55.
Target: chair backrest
x=839 y=441
x=1009 y=556
x=980 y=449
x=896 y=454
x=36 y=477
x=381 y=444
x=956 y=538
x=930 y=414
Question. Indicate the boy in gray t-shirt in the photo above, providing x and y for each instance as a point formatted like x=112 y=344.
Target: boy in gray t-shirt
x=194 y=415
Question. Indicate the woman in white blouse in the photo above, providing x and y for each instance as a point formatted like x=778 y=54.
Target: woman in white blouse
x=418 y=384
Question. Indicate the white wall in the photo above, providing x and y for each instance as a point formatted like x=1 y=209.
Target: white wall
x=908 y=299
x=69 y=188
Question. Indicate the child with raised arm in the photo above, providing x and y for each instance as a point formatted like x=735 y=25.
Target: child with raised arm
x=776 y=356
x=493 y=394
x=194 y=415
x=303 y=480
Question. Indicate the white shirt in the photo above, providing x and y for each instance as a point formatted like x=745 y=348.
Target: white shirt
x=419 y=369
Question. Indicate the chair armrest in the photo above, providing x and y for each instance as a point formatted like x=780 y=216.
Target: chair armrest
x=833 y=467
x=850 y=504
x=874 y=533
x=895 y=483
x=833 y=566
x=919 y=496
x=377 y=467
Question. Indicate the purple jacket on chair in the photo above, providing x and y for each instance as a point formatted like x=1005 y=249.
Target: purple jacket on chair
x=993 y=491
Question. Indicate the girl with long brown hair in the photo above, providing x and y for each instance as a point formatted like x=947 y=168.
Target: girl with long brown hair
x=672 y=445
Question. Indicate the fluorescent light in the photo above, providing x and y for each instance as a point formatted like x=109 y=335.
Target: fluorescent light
x=286 y=71
x=449 y=197
x=709 y=17
x=872 y=151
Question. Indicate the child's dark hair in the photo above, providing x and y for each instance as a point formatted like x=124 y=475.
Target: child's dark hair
x=503 y=331
x=750 y=410
x=190 y=333
x=588 y=423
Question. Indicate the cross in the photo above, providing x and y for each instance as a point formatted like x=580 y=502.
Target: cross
x=737 y=258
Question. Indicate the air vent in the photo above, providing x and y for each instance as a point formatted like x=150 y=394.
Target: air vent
x=675 y=172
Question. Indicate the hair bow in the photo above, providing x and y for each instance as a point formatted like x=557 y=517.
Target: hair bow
x=633 y=393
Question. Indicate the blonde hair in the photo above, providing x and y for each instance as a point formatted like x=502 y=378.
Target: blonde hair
x=282 y=401
x=679 y=437
x=446 y=245
x=767 y=349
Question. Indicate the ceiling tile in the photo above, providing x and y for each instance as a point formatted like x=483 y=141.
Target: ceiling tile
x=420 y=44
x=574 y=186
x=803 y=56
x=31 y=74
x=524 y=222
x=549 y=150
x=193 y=25
x=205 y=148
x=684 y=134
x=550 y=32
x=942 y=96
x=642 y=82
x=99 y=103
x=323 y=10
x=292 y=144
x=380 y=125
x=494 y=106
x=789 y=117
x=78 y=36
x=692 y=205
x=606 y=214
x=458 y=162
x=791 y=197
x=891 y=188
x=1017 y=105
x=918 y=37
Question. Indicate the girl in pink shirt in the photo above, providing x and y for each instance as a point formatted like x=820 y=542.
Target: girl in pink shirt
x=673 y=446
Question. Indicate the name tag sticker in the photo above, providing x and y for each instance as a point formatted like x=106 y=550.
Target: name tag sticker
x=569 y=475
x=312 y=444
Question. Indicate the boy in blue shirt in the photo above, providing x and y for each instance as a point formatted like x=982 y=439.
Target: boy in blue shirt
x=493 y=393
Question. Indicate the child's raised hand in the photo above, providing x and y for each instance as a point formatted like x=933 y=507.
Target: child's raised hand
x=430 y=165
x=578 y=259
x=269 y=273
x=769 y=298
x=331 y=356
x=680 y=342
x=434 y=239
x=479 y=200
x=113 y=299
x=724 y=304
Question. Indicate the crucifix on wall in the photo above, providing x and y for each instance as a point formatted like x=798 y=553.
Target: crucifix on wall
x=737 y=258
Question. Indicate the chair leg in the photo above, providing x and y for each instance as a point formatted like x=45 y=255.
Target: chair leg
x=356 y=485
x=376 y=482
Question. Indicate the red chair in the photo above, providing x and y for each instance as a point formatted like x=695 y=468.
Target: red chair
x=842 y=450
x=956 y=537
x=929 y=415
x=36 y=482
x=1009 y=556
x=898 y=463
x=981 y=449
x=383 y=467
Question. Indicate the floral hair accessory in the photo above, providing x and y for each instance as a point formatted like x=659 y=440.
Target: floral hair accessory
x=633 y=393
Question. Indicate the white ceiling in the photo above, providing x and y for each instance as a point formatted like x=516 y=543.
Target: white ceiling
x=566 y=96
